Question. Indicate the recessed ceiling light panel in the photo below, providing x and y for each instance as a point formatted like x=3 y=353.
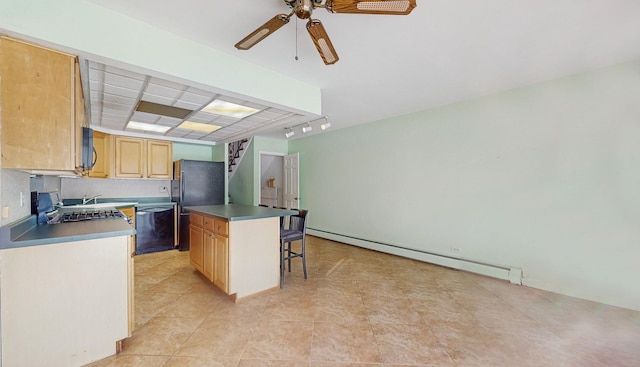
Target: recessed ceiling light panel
x=229 y=109
x=147 y=127
x=197 y=126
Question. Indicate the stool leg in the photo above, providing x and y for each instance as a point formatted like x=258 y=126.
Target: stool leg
x=304 y=258
x=289 y=255
x=282 y=249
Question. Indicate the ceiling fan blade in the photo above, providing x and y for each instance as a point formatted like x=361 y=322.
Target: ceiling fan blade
x=391 y=7
x=263 y=31
x=322 y=42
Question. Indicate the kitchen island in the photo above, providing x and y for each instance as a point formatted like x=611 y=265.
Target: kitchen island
x=237 y=247
x=66 y=291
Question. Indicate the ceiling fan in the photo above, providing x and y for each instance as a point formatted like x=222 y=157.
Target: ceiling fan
x=303 y=9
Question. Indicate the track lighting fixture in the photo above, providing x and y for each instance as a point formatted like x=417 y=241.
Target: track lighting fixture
x=306 y=126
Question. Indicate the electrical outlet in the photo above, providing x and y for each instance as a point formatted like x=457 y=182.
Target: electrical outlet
x=455 y=250
x=163 y=189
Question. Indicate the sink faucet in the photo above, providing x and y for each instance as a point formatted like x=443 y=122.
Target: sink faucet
x=86 y=200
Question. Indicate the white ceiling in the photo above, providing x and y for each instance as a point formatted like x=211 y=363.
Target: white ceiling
x=445 y=51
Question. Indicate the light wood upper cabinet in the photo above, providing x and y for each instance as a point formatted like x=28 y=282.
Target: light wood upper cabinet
x=143 y=158
x=159 y=159
x=102 y=146
x=129 y=154
x=42 y=109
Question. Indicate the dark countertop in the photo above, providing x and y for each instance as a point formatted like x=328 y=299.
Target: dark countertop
x=27 y=233
x=233 y=212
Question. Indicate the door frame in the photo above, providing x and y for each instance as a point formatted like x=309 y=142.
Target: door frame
x=258 y=179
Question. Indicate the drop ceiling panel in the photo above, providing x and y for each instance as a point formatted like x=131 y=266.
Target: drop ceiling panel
x=190 y=96
x=122 y=81
x=162 y=91
x=145 y=117
x=119 y=91
x=187 y=105
x=157 y=99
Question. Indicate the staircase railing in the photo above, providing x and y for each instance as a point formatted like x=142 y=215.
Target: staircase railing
x=236 y=152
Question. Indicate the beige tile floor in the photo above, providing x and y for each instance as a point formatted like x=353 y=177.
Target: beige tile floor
x=363 y=308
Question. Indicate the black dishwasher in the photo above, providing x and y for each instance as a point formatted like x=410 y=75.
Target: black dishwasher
x=155 y=228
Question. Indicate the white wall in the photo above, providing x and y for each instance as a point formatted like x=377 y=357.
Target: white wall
x=543 y=178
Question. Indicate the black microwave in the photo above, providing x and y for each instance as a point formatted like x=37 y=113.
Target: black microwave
x=89 y=154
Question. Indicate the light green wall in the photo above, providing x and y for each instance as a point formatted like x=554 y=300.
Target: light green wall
x=543 y=178
x=244 y=187
x=192 y=151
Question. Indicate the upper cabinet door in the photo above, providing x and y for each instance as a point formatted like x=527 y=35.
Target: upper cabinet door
x=39 y=101
x=159 y=159
x=129 y=157
x=101 y=144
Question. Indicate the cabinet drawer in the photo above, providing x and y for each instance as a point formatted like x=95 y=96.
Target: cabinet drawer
x=221 y=227
x=209 y=223
x=196 y=219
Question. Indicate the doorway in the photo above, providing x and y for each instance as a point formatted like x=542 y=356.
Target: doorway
x=278 y=180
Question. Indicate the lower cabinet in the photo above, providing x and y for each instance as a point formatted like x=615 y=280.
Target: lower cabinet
x=196 y=246
x=221 y=263
x=209 y=248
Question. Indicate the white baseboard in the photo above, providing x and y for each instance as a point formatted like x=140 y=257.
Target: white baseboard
x=513 y=275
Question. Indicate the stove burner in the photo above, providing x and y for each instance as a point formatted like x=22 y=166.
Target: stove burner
x=95 y=215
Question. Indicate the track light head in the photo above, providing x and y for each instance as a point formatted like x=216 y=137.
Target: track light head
x=289 y=133
x=307 y=128
x=325 y=126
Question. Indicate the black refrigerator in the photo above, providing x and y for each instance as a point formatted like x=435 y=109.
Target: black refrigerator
x=195 y=183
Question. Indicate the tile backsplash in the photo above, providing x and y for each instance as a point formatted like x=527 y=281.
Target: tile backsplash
x=74 y=188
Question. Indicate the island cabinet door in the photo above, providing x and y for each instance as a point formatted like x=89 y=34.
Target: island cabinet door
x=196 y=250
x=221 y=267
x=208 y=254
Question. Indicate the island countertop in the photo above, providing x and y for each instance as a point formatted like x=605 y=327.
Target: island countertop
x=235 y=212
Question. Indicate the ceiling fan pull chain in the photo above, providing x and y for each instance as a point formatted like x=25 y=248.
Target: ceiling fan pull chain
x=296 y=39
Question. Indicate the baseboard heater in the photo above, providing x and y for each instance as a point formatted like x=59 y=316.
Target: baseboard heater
x=513 y=275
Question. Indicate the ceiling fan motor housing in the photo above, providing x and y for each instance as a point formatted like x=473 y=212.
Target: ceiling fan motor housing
x=303 y=8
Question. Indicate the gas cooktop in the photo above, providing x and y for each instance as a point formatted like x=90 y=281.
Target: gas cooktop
x=90 y=215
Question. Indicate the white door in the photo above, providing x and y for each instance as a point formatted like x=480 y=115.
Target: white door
x=291 y=181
